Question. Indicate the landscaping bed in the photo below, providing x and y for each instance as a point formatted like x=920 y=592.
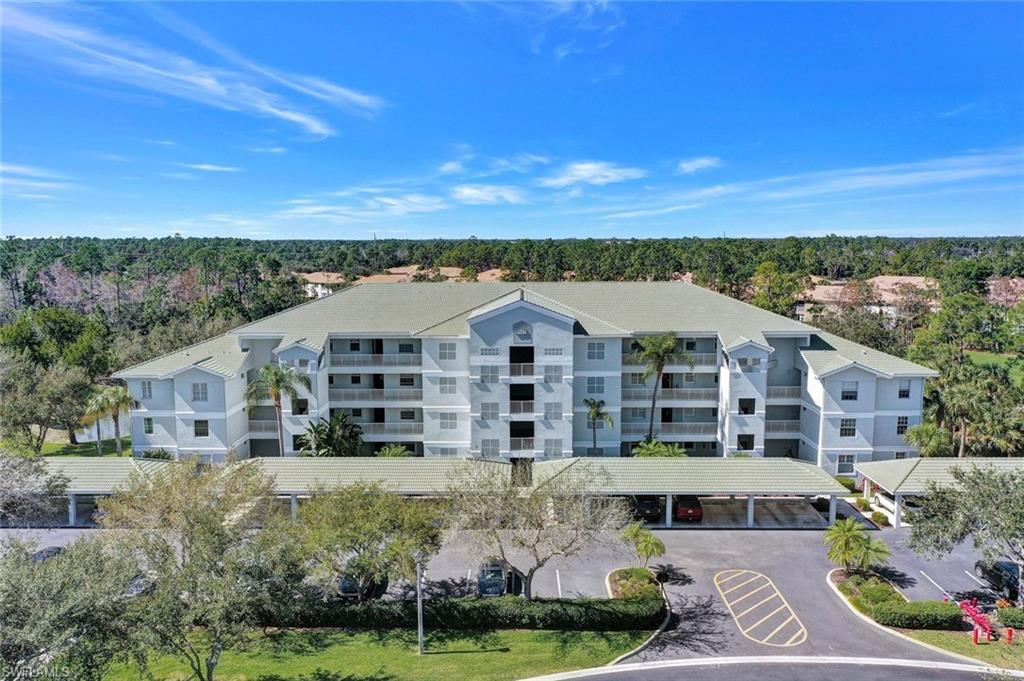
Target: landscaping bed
x=634 y=582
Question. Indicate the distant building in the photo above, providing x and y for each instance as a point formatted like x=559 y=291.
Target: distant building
x=320 y=284
x=824 y=294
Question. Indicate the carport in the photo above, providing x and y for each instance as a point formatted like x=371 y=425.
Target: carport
x=904 y=478
x=89 y=479
x=732 y=478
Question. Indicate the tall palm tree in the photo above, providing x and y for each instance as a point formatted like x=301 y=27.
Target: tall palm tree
x=654 y=353
x=844 y=539
x=118 y=399
x=274 y=382
x=596 y=413
x=97 y=407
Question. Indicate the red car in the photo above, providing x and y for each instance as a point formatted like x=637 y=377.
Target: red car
x=687 y=507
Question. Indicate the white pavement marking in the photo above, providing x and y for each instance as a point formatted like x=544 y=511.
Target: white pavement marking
x=558 y=582
x=937 y=585
x=975 y=579
x=780 y=659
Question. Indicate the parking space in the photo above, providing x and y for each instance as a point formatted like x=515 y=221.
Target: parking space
x=793 y=514
x=935 y=577
x=759 y=609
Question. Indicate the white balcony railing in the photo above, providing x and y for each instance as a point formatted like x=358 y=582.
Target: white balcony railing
x=395 y=359
x=691 y=428
x=520 y=444
x=783 y=392
x=520 y=370
x=520 y=407
x=408 y=428
x=262 y=426
x=692 y=394
x=699 y=359
x=375 y=395
x=781 y=426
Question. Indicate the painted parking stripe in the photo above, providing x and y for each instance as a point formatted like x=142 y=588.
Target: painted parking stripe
x=770 y=620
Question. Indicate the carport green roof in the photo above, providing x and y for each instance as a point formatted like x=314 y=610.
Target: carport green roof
x=911 y=476
x=101 y=475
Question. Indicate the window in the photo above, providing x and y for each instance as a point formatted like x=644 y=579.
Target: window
x=844 y=464
x=406 y=380
x=636 y=379
x=303 y=363
x=553 y=411
x=147 y=426
x=446 y=385
x=553 y=352
x=552 y=374
x=405 y=348
x=689 y=411
x=357 y=380
x=690 y=345
x=147 y=390
x=489 y=352
x=357 y=413
x=552 y=447
x=901 y=424
x=446 y=350
x=849 y=391
x=595 y=385
x=689 y=378
x=900 y=455
x=488 y=374
x=637 y=413
x=847 y=427
x=297 y=442
x=407 y=415
x=747 y=405
x=595 y=350
x=445 y=451
x=904 y=390
x=595 y=425
x=488 y=410
x=300 y=407
x=353 y=346
x=490 y=447
x=201 y=428
x=199 y=392
x=449 y=420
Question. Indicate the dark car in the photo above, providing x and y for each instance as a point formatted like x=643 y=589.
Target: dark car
x=1002 y=575
x=348 y=587
x=492 y=580
x=687 y=507
x=47 y=553
x=646 y=508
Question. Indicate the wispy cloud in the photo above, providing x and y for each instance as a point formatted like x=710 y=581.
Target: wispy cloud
x=688 y=166
x=519 y=163
x=370 y=208
x=267 y=150
x=479 y=194
x=591 y=172
x=210 y=167
x=451 y=167
x=47 y=36
x=31 y=179
x=956 y=111
x=644 y=213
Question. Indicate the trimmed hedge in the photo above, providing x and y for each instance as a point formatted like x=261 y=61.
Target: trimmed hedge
x=848 y=483
x=862 y=504
x=919 y=615
x=880 y=519
x=1011 y=617
x=505 y=612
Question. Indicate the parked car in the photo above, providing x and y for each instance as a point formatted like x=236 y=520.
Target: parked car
x=886 y=501
x=47 y=553
x=348 y=587
x=492 y=580
x=1003 y=575
x=646 y=508
x=687 y=507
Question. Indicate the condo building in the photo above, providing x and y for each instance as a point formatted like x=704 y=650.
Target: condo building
x=503 y=370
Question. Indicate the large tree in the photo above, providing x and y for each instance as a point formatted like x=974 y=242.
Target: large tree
x=28 y=490
x=35 y=399
x=775 y=290
x=275 y=382
x=654 y=352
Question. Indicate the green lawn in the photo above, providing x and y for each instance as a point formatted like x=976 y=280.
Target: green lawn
x=982 y=357
x=81 y=449
x=390 y=655
x=995 y=653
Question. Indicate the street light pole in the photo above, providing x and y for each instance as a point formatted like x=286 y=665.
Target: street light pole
x=419 y=603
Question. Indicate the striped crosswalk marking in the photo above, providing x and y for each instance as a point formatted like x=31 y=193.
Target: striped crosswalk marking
x=768 y=618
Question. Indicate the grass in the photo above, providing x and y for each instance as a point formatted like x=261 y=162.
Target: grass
x=984 y=357
x=995 y=652
x=390 y=655
x=81 y=449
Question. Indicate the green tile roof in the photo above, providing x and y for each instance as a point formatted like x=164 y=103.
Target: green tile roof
x=102 y=475
x=221 y=355
x=911 y=476
x=828 y=353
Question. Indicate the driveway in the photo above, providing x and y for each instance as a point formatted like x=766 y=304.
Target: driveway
x=933 y=578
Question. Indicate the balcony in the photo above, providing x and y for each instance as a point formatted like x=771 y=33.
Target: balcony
x=520 y=444
x=691 y=428
x=394 y=359
x=783 y=392
x=375 y=395
x=263 y=426
x=400 y=428
x=700 y=359
x=520 y=407
x=519 y=370
x=780 y=426
x=670 y=394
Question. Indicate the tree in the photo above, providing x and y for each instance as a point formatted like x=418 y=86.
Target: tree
x=468 y=273
x=274 y=383
x=645 y=543
x=366 y=533
x=930 y=439
x=983 y=504
x=656 y=448
x=28 y=489
x=596 y=413
x=108 y=401
x=524 y=526
x=394 y=451
x=67 y=616
x=195 y=529
x=338 y=437
x=775 y=290
x=850 y=547
x=654 y=353
x=34 y=399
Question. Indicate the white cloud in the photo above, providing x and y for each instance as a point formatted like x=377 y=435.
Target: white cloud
x=953 y=113
x=32 y=179
x=372 y=207
x=267 y=150
x=643 y=213
x=451 y=167
x=479 y=194
x=520 y=163
x=210 y=167
x=592 y=172
x=691 y=165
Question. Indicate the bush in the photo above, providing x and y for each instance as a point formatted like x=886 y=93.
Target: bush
x=862 y=504
x=159 y=454
x=634 y=583
x=848 y=483
x=879 y=518
x=505 y=612
x=1011 y=617
x=919 y=615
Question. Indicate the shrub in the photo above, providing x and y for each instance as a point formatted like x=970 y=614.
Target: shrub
x=919 y=615
x=862 y=504
x=505 y=612
x=879 y=518
x=1011 y=617
x=848 y=483
x=634 y=583
x=159 y=454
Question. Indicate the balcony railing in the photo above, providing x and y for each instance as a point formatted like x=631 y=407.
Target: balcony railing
x=375 y=395
x=783 y=392
x=262 y=426
x=394 y=359
x=780 y=426
x=700 y=359
x=520 y=444
x=693 y=394
x=520 y=370
x=407 y=428
x=520 y=407
x=693 y=428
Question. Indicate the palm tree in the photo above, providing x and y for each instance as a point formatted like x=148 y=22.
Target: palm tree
x=394 y=451
x=596 y=413
x=645 y=544
x=845 y=539
x=338 y=437
x=654 y=353
x=930 y=439
x=658 y=449
x=274 y=382
x=872 y=553
x=118 y=399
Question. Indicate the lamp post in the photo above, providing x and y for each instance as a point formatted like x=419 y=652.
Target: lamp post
x=419 y=600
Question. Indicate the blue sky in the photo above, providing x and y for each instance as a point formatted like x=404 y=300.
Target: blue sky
x=556 y=119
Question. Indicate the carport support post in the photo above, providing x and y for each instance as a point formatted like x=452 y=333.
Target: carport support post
x=867 y=489
x=668 y=511
x=897 y=511
x=295 y=506
x=831 y=509
x=72 y=510
x=750 y=511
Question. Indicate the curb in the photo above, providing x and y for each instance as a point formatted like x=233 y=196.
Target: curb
x=893 y=632
x=657 y=632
